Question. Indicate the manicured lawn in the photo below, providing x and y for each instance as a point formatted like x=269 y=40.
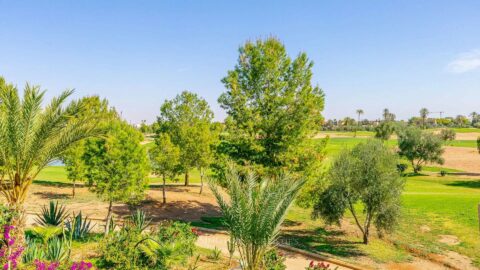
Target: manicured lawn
x=462 y=143
x=58 y=174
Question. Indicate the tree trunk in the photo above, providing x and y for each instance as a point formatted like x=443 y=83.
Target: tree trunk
x=187 y=178
x=365 y=238
x=201 y=181
x=109 y=218
x=163 y=191
x=73 y=190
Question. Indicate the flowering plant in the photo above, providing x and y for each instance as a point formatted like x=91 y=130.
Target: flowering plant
x=10 y=252
x=318 y=266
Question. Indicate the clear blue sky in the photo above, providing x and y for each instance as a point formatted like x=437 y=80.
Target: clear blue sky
x=401 y=54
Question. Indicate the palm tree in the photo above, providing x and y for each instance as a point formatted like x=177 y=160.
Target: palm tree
x=386 y=114
x=359 y=113
x=254 y=212
x=31 y=137
x=424 y=114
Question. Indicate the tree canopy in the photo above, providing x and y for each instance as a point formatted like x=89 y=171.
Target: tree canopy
x=32 y=136
x=420 y=147
x=366 y=174
x=188 y=121
x=272 y=107
x=116 y=166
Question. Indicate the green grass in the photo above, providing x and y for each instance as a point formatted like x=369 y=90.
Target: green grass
x=462 y=143
x=349 y=133
x=57 y=174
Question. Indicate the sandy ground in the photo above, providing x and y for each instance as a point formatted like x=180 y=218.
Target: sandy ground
x=462 y=158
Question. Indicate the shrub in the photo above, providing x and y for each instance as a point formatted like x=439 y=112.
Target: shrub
x=319 y=266
x=443 y=173
x=274 y=260
x=53 y=215
x=57 y=250
x=448 y=134
x=402 y=167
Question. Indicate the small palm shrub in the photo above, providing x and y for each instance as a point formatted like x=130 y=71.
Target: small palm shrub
x=254 y=212
x=53 y=215
x=46 y=233
x=78 y=227
x=215 y=254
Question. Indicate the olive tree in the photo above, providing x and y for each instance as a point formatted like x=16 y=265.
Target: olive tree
x=384 y=130
x=366 y=175
x=116 y=166
x=448 y=134
x=420 y=147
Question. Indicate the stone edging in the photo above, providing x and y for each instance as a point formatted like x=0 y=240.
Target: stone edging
x=316 y=256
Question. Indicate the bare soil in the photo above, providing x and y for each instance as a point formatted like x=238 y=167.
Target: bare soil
x=462 y=158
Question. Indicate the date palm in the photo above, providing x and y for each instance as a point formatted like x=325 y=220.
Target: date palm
x=359 y=113
x=254 y=212
x=31 y=137
x=424 y=114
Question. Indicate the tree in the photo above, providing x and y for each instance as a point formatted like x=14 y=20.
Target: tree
x=424 y=115
x=72 y=157
x=272 y=107
x=116 y=166
x=366 y=174
x=164 y=157
x=31 y=137
x=420 y=147
x=384 y=130
x=478 y=144
x=448 y=134
x=359 y=113
x=184 y=118
x=254 y=212
x=387 y=115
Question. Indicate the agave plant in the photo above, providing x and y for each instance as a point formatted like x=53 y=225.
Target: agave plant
x=254 y=212
x=78 y=227
x=32 y=252
x=58 y=250
x=53 y=215
x=139 y=220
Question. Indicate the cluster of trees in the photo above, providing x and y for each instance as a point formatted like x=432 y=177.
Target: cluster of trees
x=423 y=120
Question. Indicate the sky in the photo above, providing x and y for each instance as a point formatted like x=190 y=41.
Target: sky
x=396 y=54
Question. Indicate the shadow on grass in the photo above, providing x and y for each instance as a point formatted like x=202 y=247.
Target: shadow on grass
x=52 y=195
x=321 y=240
x=467 y=184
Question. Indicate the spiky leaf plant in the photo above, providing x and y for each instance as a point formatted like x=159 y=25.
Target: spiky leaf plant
x=139 y=220
x=254 y=212
x=53 y=215
x=78 y=226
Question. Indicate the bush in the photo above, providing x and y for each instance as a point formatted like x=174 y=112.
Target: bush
x=443 y=173
x=274 y=260
x=402 y=167
x=171 y=243
x=448 y=134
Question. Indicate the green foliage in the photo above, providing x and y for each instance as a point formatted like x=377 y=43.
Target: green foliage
x=187 y=120
x=254 y=212
x=46 y=233
x=448 y=134
x=116 y=166
x=32 y=252
x=272 y=108
x=366 y=174
x=53 y=215
x=139 y=221
x=273 y=260
x=32 y=136
x=78 y=227
x=7 y=215
x=172 y=243
x=57 y=250
x=215 y=254
x=402 y=168
x=419 y=147
x=478 y=144
x=384 y=130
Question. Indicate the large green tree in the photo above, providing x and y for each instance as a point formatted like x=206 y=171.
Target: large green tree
x=164 y=158
x=272 y=107
x=188 y=120
x=72 y=157
x=116 y=166
x=366 y=177
x=32 y=136
x=420 y=147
